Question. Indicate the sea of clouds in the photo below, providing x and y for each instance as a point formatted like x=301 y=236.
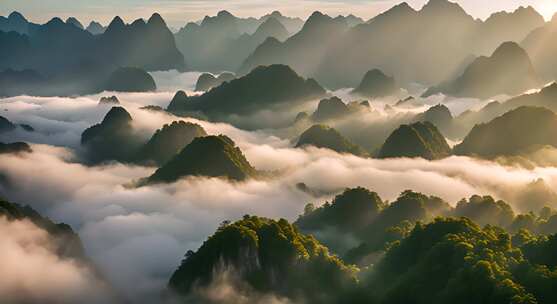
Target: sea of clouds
x=138 y=236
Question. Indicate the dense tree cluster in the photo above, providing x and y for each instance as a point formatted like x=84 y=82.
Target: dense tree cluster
x=271 y=256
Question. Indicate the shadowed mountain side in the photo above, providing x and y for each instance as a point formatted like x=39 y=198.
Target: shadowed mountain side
x=421 y=139
x=130 y=80
x=544 y=98
x=263 y=88
x=322 y=136
x=511 y=133
x=14 y=148
x=424 y=46
x=169 y=141
x=6 y=125
x=508 y=71
x=207 y=81
x=223 y=42
x=112 y=139
x=74 y=61
x=376 y=84
x=267 y=256
x=66 y=242
x=541 y=45
x=211 y=156
x=304 y=50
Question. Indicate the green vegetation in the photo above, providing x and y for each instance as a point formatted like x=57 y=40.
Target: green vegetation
x=112 y=139
x=213 y=156
x=421 y=139
x=412 y=252
x=322 y=136
x=511 y=133
x=168 y=141
x=67 y=243
x=271 y=256
x=264 y=87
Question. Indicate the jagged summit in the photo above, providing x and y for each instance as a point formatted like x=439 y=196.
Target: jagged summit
x=75 y=22
x=116 y=24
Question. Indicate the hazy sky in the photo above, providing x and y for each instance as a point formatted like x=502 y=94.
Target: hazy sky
x=178 y=12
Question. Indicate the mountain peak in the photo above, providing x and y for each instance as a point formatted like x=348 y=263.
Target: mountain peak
x=225 y=14
x=55 y=22
x=117 y=115
x=271 y=28
x=443 y=6
x=116 y=23
x=509 y=48
x=75 y=22
x=157 y=20
x=16 y=16
x=276 y=14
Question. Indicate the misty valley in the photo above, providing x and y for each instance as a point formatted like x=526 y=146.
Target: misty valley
x=409 y=157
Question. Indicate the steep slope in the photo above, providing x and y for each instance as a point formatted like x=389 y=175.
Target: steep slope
x=268 y=256
x=263 y=88
x=421 y=139
x=508 y=71
x=541 y=45
x=376 y=84
x=511 y=133
x=66 y=242
x=112 y=139
x=74 y=61
x=423 y=46
x=303 y=51
x=212 y=156
x=207 y=81
x=168 y=141
x=222 y=42
x=322 y=136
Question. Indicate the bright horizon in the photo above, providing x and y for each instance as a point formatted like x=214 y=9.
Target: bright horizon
x=178 y=12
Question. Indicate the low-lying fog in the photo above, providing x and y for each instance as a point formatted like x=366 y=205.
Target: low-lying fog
x=138 y=236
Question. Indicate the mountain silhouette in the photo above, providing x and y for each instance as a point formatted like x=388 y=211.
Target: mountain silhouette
x=263 y=88
x=401 y=41
x=511 y=133
x=222 y=42
x=508 y=71
x=211 y=156
x=322 y=136
x=207 y=81
x=168 y=141
x=541 y=45
x=112 y=139
x=130 y=80
x=95 y=28
x=376 y=84
x=74 y=61
x=421 y=139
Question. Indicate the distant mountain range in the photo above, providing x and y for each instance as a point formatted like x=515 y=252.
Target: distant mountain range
x=64 y=59
x=433 y=45
x=508 y=71
x=427 y=46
